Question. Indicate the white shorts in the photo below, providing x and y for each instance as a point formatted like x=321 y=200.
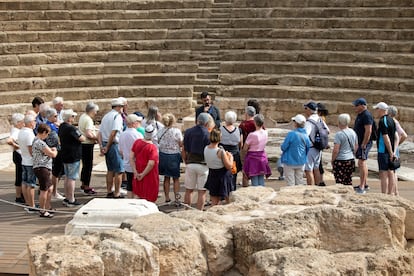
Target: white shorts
x=313 y=159
x=195 y=176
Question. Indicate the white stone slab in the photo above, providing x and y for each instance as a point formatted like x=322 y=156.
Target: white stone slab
x=105 y=213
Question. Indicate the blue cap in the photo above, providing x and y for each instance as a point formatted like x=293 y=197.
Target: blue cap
x=311 y=105
x=360 y=101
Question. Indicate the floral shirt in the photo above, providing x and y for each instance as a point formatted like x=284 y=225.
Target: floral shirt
x=169 y=140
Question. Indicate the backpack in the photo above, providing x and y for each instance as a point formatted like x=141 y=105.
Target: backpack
x=321 y=135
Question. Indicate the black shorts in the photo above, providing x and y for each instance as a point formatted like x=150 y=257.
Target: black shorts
x=57 y=166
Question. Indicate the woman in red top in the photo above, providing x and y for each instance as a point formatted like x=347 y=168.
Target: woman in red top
x=145 y=184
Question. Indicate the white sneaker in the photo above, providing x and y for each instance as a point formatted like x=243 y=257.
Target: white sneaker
x=123 y=192
x=58 y=196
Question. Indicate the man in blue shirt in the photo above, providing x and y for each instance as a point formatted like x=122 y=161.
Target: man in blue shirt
x=196 y=172
x=209 y=108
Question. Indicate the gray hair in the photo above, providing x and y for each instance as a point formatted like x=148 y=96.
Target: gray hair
x=57 y=100
x=28 y=119
x=230 y=117
x=152 y=113
x=392 y=110
x=16 y=117
x=344 y=119
x=202 y=118
x=250 y=111
x=258 y=120
x=50 y=112
x=43 y=107
x=91 y=106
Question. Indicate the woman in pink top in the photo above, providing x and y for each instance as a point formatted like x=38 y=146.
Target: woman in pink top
x=256 y=165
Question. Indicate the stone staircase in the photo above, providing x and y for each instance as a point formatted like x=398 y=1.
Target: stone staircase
x=165 y=52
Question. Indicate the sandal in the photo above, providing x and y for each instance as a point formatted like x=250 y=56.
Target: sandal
x=89 y=191
x=46 y=214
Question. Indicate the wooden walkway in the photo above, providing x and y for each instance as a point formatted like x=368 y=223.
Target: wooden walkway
x=17 y=227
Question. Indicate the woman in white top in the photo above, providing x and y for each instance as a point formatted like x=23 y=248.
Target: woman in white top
x=219 y=163
x=170 y=142
x=152 y=119
x=345 y=146
x=18 y=123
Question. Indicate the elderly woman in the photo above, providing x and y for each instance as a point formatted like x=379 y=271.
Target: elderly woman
x=170 y=141
x=42 y=167
x=393 y=111
x=295 y=148
x=256 y=164
x=219 y=163
x=87 y=128
x=230 y=140
x=17 y=121
x=144 y=162
x=345 y=146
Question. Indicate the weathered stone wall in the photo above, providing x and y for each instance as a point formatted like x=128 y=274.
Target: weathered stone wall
x=299 y=230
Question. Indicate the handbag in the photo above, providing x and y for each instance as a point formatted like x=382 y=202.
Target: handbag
x=394 y=164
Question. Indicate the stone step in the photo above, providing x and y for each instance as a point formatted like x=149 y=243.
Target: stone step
x=317 y=56
x=211 y=69
x=40 y=83
x=205 y=76
x=103 y=5
x=323 y=33
x=323 y=12
x=321 y=23
x=198 y=88
x=206 y=82
x=107 y=68
x=337 y=81
x=317 y=3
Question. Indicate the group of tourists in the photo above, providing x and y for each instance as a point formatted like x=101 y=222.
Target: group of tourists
x=47 y=146
x=303 y=146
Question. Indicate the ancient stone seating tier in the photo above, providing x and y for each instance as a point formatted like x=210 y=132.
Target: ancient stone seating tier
x=165 y=52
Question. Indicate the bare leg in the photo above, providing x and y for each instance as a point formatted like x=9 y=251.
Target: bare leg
x=215 y=200
x=167 y=188
x=55 y=181
x=245 y=181
x=383 y=175
x=49 y=193
x=201 y=199
x=118 y=181
x=109 y=181
x=309 y=177
x=187 y=196
x=391 y=182
x=70 y=189
x=395 y=192
x=317 y=176
x=19 y=191
x=363 y=173
x=30 y=196
x=176 y=186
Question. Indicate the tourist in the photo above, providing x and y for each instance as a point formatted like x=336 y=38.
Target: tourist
x=231 y=140
x=126 y=139
x=196 y=172
x=41 y=116
x=345 y=146
x=25 y=140
x=393 y=111
x=256 y=164
x=124 y=112
x=254 y=103
x=58 y=105
x=219 y=163
x=144 y=162
x=109 y=131
x=36 y=102
x=71 y=150
x=208 y=107
x=295 y=148
x=246 y=126
x=322 y=113
x=387 y=145
x=17 y=121
x=170 y=140
x=87 y=128
x=140 y=128
x=313 y=175
x=153 y=118
x=52 y=141
x=364 y=127
x=42 y=167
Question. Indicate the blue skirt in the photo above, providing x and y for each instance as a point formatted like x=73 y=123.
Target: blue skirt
x=219 y=182
x=169 y=164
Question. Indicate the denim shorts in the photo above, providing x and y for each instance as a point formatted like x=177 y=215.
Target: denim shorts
x=363 y=153
x=114 y=162
x=72 y=170
x=28 y=176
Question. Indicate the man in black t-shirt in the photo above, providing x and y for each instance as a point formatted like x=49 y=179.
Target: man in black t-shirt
x=71 y=151
x=387 y=144
x=363 y=127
